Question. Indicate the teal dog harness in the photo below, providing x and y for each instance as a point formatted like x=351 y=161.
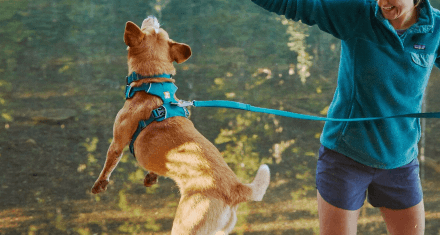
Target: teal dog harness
x=165 y=91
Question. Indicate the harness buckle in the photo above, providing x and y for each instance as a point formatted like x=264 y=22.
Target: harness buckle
x=128 y=92
x=159 y=112
x=183 y=103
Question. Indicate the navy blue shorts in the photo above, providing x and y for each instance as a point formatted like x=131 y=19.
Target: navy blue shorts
x=345 y=183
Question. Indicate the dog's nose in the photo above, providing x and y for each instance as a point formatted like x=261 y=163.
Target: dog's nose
x=151 y=21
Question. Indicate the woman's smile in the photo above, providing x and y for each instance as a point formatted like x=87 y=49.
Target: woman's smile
x=400 y=13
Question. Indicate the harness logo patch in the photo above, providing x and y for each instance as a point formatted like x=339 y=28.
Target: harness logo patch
x=167 y=95
x=419 y=47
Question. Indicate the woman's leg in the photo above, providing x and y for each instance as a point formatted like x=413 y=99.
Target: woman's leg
x=333 y=220
x=399 y=195
x=409 y=221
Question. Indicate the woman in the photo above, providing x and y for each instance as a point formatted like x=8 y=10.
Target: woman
x=388 y=50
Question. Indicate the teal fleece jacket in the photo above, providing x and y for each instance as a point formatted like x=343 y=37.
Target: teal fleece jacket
x=380 y=74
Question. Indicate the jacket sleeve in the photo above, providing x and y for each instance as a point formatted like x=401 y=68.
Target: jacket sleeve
x=337 y=17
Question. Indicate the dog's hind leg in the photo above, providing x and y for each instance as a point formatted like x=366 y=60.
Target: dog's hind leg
x=199 y=214
x=190 y=215
x=230 y=217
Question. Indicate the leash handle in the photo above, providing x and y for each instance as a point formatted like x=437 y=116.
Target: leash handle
x=247 y=107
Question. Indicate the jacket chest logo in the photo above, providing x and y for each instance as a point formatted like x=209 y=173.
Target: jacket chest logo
x=419 y=47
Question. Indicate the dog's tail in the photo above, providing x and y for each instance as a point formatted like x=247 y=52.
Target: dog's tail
x=260 y=183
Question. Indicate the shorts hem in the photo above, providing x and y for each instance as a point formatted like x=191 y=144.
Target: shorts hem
x=324 y=197
x=395 y=207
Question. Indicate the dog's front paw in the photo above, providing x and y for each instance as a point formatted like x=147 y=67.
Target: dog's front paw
x=150 y=179
x=100 y=186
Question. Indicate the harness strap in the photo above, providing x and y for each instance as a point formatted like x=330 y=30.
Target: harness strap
x=136 y=77
x=130 y=91
x=165 y=90
x=165 y=111
x=155 y=114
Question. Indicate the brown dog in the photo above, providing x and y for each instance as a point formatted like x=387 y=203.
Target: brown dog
x=210 y=191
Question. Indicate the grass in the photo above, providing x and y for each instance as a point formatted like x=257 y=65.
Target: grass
x=145 y=213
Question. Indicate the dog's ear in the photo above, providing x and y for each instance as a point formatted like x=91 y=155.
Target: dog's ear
x=133 y=34
x=180 y=52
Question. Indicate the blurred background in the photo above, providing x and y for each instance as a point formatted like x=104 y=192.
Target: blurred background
x=62 y=73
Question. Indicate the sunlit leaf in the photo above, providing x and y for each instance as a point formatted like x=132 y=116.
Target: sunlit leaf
x=7 y=117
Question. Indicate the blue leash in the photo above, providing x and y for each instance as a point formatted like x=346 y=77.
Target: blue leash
x=247 y=107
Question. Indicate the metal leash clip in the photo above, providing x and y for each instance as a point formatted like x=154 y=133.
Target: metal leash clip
x=183 y=103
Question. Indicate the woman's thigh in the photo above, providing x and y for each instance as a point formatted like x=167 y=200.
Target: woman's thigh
x=333 y=220
x=409 y=221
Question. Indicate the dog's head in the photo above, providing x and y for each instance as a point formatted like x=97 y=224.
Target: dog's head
x=150 y=49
